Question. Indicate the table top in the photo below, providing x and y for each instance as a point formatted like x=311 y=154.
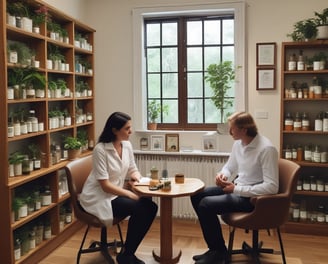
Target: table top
x=190 y=186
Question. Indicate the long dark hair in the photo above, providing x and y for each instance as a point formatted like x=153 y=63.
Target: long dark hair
x=116 y=120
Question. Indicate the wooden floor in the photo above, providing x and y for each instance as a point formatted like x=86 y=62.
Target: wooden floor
x=299 y=249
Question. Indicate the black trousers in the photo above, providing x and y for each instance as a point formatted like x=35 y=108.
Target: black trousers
x=142 y=213
x=212 y=202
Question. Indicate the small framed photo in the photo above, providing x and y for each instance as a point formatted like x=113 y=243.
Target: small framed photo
x=172 y=142
x=265 y=79
x=266 y=54
x=210 y=142
x=157 y=142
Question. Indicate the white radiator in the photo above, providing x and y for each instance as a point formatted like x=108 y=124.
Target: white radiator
x=192 y=166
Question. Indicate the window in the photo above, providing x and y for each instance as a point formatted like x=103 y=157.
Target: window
x=178 y=52
x=174 y=48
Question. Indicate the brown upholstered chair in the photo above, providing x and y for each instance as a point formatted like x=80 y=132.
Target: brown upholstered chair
x=270 y=212
x=77 y=172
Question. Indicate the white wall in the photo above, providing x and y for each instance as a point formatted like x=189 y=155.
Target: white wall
x=267 y=21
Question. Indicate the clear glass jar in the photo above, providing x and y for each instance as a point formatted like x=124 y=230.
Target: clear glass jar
x=306 y=184
x=321 y=214
x=313 y=183
x=320 y=185
x=17 y=249
x=317 y=154
x=307 y=153
x=46 y=197
x=295 y=212
x=303 y=211
x=305 y=122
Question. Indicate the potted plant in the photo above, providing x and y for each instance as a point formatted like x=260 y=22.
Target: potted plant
x=220 y=77
x=73 y=146
x=35 y=80
x=321 y=20
x=82 y=136
x=154 y=111
x=16 y=204
x=16 y=158
x=304 y=30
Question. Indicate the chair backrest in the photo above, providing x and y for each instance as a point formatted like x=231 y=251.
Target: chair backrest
x=77 y=172
x=270 y=211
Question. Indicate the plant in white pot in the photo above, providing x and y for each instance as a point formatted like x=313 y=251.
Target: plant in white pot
x=220 y=78
x=154 y=111
x=321 y=20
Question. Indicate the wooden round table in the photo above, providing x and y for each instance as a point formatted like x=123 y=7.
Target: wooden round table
x=189 y=187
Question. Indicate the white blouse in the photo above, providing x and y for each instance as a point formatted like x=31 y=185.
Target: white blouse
x=106 y=165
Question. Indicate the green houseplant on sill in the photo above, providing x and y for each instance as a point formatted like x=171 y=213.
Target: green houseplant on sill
x=155 y=109
x=220 y=77
x=73 y=146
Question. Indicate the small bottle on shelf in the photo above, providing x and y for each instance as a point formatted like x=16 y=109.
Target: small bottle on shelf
x=305 y=122
x=307 y=153
x=303 y=212
x=318 y=122
x=289 y=122
x=292 y=63
x=297 y=122
x=300 y=61
x=299 y=153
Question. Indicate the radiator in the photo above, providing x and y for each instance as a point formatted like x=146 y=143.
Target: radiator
x=202 y=167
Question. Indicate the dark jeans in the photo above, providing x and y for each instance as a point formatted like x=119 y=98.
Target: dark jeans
x=212 y=202
x=142 y=214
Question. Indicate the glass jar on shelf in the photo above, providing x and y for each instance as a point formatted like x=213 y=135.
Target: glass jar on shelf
x=321 y=214
x=289 y=122
x=297 y=122
x=306 y=184
x=305 y=122
x=313 y=183
x=303 y=211
x=307 y=153
x=295 y=212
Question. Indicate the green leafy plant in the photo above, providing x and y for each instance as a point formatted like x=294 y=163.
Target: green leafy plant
x=16 y=157
x=155 y=109
x=18 y=8
x=72 y=143
x=220 y=77
x=52 y=85
x=82 y=136
x=40 y=15
x=24 y=53
x=321 y=19
x=304 y=30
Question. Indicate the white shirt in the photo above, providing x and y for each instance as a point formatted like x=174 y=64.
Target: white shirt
x=106 y=165
x=256 y=165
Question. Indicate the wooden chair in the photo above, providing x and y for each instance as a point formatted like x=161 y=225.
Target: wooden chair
x=77 y=172
x=270 y=212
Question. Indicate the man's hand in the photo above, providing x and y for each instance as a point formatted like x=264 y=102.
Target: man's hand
x=222 y=181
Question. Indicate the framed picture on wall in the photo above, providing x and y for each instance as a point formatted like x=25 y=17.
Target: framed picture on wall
x=172 y=142
x=157 y=142
x=266 y=54
x=265 y=79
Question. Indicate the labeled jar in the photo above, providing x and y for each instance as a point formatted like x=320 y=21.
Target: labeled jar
x=321 y=214
x=299 y=153
x=297 y=122
x=313 y=183
x=46 y=197
x=295 y=212
x=317 y=154
x=320 y=185
x=305 y=122
x=307 y=153
x=325 y=122
x=318 y=122
x=306 y=184
x=303 y=212
x=292 y=63
x=289 y=122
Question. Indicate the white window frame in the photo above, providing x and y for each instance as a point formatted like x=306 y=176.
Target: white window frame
x=139 y=59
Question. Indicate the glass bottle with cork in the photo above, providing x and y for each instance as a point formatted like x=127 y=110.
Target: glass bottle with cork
x=297 y=122
x=300 y=61
x=305 y=122
x=292 y=63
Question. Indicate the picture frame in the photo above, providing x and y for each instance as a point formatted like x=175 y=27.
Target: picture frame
x=266 y=54
x=172 y=142
x=157 y=142
x=209 y=142
x=265 y=79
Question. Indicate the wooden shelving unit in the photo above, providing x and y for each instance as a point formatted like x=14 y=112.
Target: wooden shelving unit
x=300 y=137
x=76 y=68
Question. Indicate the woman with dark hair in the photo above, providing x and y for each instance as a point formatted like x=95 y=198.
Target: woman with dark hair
x=254 y=160
x=103 y=193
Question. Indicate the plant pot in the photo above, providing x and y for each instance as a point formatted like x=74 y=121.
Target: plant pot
x=152 y=126
x=73 y=154
x=322 y=32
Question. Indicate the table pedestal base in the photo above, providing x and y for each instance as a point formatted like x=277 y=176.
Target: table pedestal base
x=175 y=257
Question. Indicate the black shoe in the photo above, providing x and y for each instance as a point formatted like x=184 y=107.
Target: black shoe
x=213 y=257
x=198 y=257
x=128 y=259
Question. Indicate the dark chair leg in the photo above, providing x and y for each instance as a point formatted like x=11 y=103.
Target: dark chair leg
x=81 y=246
x=281 y=247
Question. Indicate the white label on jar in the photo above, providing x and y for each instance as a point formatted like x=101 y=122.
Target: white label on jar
x=17 y=253
x=296 y=213
x=306 y=186
x=325 y=124
x=307 y=155
x=313 y=187
x=297 y=124
x=303 y=214
x=10 y=131
x=316 y=156
x=323 y=157
x=288 y=155
x=300 y=65
x=318 y=125
x=305 y=123
x=46 y=200
x=292 y=65
x=321 y=218
x=320 y=187
x=47 y=234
